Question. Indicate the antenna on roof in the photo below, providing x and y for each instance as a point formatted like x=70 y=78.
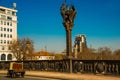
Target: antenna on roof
x=14 y=5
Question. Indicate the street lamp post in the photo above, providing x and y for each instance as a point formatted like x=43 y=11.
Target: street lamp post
x=68 y=13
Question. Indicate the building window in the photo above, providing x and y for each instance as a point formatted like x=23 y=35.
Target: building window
x=8 y=23
x=3 y=16
x=3 y=48
x=1 y=29
x=7 y=35
x=7 y=42
x=1 y=35
x=3 y=56
x=4 y=41
x=8 y=12
x=1 y=22
x=4 y=29
x=1 y=41
x=2 y=10
x=10 y=36
x=4 y=22
x=13 y=13
x=10 y=30
x=9 y=57
x=4 y=35
x=9 y=18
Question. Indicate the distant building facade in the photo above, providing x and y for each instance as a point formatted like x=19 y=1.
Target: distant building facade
x=43 y=55
x=80 y=44
x=8 y=31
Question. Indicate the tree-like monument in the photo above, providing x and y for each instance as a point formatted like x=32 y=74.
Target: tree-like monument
x=68 y=13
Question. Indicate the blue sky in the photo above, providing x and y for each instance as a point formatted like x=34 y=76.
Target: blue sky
x=40 y=20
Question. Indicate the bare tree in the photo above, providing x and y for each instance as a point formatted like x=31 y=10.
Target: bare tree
x=28 y=48
x=22 y=49
x=16 y=49
x=116 y=54
x=104 y=53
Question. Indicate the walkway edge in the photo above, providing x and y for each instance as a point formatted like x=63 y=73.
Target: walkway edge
x=66 y=76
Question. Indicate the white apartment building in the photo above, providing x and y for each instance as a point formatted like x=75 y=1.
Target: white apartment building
x=80 y=44
x=8 y=31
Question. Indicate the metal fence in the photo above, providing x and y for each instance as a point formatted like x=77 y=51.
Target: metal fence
x=78 y=66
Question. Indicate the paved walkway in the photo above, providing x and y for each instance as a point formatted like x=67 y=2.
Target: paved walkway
x=68 y=76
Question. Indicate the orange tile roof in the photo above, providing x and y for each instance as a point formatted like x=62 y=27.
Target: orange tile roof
x=42 y=53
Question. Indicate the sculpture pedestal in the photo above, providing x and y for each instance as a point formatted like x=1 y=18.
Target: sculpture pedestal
x=69 y=60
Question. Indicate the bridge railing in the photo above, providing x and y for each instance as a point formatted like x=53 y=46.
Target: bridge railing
x=78 y=66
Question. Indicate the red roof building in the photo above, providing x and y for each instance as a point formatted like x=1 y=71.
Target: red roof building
x=43 y=55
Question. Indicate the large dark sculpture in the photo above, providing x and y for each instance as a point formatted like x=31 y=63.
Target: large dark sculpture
x=68 y=13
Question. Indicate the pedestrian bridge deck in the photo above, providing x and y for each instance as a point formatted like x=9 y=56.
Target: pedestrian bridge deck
x=68 y=76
